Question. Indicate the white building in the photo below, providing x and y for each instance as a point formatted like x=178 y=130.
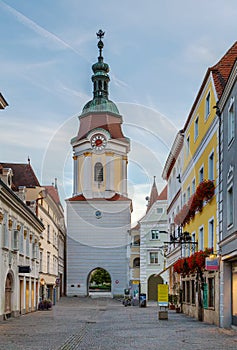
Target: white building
x=20 y=232
x=99 y=212
x=153 y=234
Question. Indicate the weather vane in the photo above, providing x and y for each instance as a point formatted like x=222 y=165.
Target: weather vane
x=100 y=34
x=100 y=45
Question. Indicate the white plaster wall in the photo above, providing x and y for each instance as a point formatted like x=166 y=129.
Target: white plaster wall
x=97 y=242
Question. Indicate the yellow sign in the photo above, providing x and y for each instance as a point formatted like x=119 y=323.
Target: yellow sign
x=135 y=282
x=163 y=294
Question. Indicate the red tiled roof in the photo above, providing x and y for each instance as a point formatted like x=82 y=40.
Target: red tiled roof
x=53 y=192
x=153 y=196
x=220 y=72
x=163 y=194
x=116 y=197
x=23 y=175
x=104 y=121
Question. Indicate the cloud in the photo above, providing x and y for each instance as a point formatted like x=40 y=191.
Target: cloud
x=37 y=29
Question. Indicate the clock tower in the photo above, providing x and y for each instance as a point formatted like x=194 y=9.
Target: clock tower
x=99 y=211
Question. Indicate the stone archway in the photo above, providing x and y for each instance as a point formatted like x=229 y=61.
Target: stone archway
x=99 y=281
x=8 y=295
x=152 y=286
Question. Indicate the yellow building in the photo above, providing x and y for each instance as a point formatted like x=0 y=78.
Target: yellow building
x=197 y=221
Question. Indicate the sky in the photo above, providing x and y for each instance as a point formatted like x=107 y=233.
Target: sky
x=158 y=53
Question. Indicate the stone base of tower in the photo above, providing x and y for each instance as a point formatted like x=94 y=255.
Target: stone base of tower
x=97 y=237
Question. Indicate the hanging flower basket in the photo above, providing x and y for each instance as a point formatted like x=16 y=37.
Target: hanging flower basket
x=205 y=190
x=192 y=263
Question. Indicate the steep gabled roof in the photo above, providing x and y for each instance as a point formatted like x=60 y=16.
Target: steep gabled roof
x=53 y=192
x=23 y=175
x=220 y=72
x=153 y=195
x=163 y=194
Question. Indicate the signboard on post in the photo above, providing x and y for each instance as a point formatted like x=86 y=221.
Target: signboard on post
x=163 y=295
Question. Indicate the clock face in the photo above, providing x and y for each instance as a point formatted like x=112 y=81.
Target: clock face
x=98 y=142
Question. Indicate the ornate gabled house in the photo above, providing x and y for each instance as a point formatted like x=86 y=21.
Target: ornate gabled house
x=45 y=204
x=99 y=212
x=20 y=230
x=153 y=234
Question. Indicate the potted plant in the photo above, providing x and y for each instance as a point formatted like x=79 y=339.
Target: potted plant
x=45 y=304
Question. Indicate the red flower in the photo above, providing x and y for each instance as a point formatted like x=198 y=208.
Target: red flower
x=205 y=190
x=194 y=261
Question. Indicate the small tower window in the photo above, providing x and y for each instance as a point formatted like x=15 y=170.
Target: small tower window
x=100 y=85
x=98 y=174
x=105 y=85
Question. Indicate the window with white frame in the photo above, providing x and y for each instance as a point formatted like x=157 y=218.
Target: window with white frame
x=211 y=166
x=15 y=240
x=230 y=206
x=201 y=238
x=211 y=292
x=184 y=198
x=40 y=261
x=211 y=233
x=48 y=262
x=21 y=241
x=155 y=234
x=193 y=242
x=48 y=233
x=159 y=210
x=201 y=174
x=231 y=121
x=188 y=193
x=35 y=248
x=5 y=233
x=153 y=257
x=193 y=185
x=207 y=105
x=187 y=145
x=196 y=128
x=27 y=245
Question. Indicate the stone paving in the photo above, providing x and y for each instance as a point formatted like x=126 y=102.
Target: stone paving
x=103 y=324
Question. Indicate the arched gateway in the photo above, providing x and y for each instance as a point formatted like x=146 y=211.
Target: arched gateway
x=99 y=212
x=99 y=281
x=153 y=282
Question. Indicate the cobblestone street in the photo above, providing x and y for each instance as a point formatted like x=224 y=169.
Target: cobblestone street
x=86 y=324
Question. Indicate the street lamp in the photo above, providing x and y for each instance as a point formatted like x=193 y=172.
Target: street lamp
x=184 y=239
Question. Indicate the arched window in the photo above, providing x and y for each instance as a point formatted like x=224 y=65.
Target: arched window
x=105 y=85
x=100 y=85
x=136 y=262
x=98 y=172
x=136 y=240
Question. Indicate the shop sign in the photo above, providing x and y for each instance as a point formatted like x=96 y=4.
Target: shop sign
x=24 y=269
x=212 y=264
